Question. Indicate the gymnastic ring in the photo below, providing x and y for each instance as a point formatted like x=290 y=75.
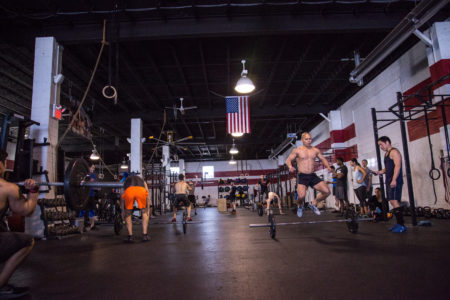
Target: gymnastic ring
x=114 y=94
x=432 y=172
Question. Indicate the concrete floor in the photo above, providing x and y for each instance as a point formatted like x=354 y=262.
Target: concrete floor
x=222 y=258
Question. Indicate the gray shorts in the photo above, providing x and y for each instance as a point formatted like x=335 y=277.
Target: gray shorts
x=341 y=193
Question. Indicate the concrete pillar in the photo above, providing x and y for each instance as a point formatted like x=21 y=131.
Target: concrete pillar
x=47 y=64
x=136 y=146
x=166 y=157
x=182 y=166
x=439 y=55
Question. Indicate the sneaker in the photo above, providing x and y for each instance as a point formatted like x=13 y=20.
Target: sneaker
x=399 y=229
x=174 y=219
x=299 y=212
x=10 y=292
x=314 y=209
x=393 y=227
x=129 y=239
x=189 y=219
x=145 y=238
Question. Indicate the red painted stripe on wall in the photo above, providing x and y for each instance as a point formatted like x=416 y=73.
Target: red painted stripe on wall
x=417 y=128
x=415 y=89
x=439 y=70
x=343 y=135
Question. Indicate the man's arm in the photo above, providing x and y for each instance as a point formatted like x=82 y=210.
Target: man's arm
x=323 y=160
x=18 y=203
x=291 y=156
x=397 y=158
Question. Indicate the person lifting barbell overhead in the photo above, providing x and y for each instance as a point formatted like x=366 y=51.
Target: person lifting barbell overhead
x=305 y=156
x=14 y=246
x=273 y=197
x=136 y=190
x=394 y=180
x=181 y=189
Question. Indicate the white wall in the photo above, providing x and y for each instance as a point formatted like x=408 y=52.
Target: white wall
x=411 y=69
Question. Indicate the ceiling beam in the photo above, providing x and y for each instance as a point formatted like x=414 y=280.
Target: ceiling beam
x=222 y=26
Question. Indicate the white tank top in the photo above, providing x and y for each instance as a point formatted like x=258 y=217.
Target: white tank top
x=357 y=175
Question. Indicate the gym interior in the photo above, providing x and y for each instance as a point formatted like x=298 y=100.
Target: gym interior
x=100 y=97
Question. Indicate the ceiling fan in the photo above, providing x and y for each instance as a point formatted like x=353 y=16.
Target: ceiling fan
x=182 y=109
x=179 y=143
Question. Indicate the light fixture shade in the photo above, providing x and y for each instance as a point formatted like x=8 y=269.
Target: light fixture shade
x=237 y=134
x=94 y=155
x=244 y=85
x=124 y=165
x=234 y=150
x=232 y=161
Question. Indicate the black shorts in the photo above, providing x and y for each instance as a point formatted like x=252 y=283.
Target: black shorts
x=308 y=179
x=232 y=199
x=361 y=195
x=394 y=193
x=181 y=200
x=11 y=242
x=192 y=199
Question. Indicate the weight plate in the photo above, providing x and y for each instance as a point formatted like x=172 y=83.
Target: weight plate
x=273 y=227
x=260 y=210
x=76 y=195
x=118 y=224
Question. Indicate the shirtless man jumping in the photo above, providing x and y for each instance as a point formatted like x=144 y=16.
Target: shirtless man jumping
x=181 y=188
x=305 y=156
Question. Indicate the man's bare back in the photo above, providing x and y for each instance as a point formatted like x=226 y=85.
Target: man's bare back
x=181 y=187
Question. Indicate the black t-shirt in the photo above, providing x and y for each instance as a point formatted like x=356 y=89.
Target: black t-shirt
x=343 y=180
x=233 y=192
x=373 y=203
x=263 y=185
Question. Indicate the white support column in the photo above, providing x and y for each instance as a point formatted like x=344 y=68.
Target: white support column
x=166 y=156
x=439 y=54
x=182 y=166
x=136 y=146
x=47 y=64
x=335 y=124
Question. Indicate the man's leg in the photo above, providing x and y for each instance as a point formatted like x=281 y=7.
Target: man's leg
x=145 y=213
x=174 y=213
x=13 y=263
x=324 y=192
x=128 y=221
x=268 y=206
x=189 y=208
x=301 y=194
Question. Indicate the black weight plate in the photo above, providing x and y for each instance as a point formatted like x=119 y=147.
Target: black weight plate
x=273 y=227
x=260 y=210
x=245 y=188
x=118 y=224
x=76 y=195
x=227 y=189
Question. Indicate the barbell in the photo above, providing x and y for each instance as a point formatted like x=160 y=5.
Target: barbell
x=77 y=184
x=351 y=220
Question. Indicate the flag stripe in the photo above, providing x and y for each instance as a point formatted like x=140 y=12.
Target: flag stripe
x=238 y=114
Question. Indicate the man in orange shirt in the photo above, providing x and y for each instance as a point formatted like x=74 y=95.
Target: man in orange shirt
x=135 y=191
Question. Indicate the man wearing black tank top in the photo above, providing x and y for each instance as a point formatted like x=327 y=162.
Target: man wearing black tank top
x=394 y=180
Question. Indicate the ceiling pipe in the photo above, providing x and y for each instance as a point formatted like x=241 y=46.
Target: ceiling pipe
x=423 y=12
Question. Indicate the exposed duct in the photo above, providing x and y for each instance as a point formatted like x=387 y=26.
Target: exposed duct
x=286 y=143
x=424 y=11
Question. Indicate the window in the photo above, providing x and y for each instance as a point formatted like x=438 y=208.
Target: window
x=208 y=171
x=175 y=170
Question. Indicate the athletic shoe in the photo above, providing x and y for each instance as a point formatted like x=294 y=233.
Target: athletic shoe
x=314 y=209
x=10 y=292
x=393 y=227
x=145 y=238
x=174 y=219
x=129 y=239
x=189 y=219
x=399 y=229
x=299 y=212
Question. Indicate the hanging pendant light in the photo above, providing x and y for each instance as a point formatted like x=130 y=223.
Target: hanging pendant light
x=232 y=161
x=244 y=84
x=234 y=149
x=94 y=155
x=124 y=165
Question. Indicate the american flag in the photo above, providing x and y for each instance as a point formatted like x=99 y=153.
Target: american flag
x=238 y=114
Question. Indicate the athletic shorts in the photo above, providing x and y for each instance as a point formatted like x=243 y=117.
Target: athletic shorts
x=91 y=213
x=11 y=242
x=308 y=179
x=232 y=199
x=135 y=193
x=394 y=193
x=361 y=195
x=340 y=192
x=181 y=200
x=192 y=199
